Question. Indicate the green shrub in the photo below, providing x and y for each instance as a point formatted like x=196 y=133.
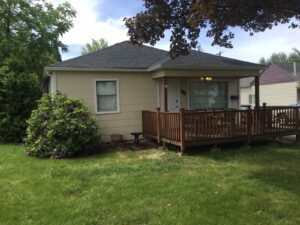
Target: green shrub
x=61 y=127
x=18 y=95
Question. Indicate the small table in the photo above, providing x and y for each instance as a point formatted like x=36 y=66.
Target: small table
x=136 y=137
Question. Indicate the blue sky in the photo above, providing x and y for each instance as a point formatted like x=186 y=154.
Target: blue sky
x=104 y=19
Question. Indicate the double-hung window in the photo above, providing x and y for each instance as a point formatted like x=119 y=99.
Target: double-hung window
x=107 y=96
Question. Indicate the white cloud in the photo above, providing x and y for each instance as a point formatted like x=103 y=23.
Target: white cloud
x=86 y=25
x=251 y=48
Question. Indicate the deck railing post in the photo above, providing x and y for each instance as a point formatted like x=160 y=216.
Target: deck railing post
x=249 y=125
x=182 y=130
x=158 y=124
x=298 y=124
x=264 y=117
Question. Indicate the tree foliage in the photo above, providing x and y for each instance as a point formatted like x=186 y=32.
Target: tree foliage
x=30 y=31
x=18 y=92
x=186 y=18
x=95 y=45
x=29 y=40
x=282 y=57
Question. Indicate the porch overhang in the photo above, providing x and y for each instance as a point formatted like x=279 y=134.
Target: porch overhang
x=228 y=72
x=180 y=72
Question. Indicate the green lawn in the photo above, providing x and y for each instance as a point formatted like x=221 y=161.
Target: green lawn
x=238 y=186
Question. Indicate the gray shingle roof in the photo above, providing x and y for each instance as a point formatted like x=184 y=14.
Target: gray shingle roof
x=275 y=74
x=124 y=55
x=196 y=58
x=289 y=67
x=121 y=55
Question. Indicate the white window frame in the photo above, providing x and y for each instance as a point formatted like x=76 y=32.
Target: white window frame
x=118 y=97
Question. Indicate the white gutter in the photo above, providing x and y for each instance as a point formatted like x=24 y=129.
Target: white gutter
x=184 y=67
x=154 y=68
x=72 y=69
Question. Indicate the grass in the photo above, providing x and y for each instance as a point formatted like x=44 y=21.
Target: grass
x=237 y=186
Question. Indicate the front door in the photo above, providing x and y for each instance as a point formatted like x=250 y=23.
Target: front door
x=173 y=95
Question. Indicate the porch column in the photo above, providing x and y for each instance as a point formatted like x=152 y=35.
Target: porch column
x=165 y=81
x=256 y=80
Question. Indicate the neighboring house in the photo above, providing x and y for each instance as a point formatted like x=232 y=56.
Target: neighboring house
x=118 y=82
x=279 y=85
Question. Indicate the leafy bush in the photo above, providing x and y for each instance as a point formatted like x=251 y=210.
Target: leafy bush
x=61 y=127
x=18 y=95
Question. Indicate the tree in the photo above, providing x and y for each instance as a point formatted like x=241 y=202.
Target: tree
x=29 y=40
x=18 y=92
x=95 y=45
x=186 y=18
x=282 y=57
x=30 y=31
x=199 y=48
x=262 y=61
x=295 y=55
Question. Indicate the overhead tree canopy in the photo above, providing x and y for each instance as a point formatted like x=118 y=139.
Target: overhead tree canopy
x=30 y=31
x=95 y=45
x=282 y=57
x=186 y=18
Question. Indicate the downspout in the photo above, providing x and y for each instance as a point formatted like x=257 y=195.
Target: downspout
x=295 y=69
x=53 y=83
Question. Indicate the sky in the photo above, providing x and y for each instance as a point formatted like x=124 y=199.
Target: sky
x=104 y=19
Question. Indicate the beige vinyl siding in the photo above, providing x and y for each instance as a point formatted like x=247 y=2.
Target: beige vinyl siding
x=137 y=92
x=279 y=94
x=245 y=92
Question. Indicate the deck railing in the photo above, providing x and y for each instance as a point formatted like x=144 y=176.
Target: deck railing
x=187 y=128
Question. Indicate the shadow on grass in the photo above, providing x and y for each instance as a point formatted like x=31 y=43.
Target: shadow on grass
x=279 y=163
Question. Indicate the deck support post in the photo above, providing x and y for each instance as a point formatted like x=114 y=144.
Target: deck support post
x=257 y=103
x=182 y=130
x=158 y=124
x=165 y=81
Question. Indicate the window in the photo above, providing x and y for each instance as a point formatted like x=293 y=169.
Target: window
x=208 y=94
x=107 y=99
x=251 y=99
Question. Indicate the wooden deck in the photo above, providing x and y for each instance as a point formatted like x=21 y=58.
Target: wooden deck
x=192 y=128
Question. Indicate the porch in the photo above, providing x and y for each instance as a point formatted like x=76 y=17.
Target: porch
x=201 y=92
x=191 y=128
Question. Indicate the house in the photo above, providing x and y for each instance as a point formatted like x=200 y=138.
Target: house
x=119 y=82
x=279 y=85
